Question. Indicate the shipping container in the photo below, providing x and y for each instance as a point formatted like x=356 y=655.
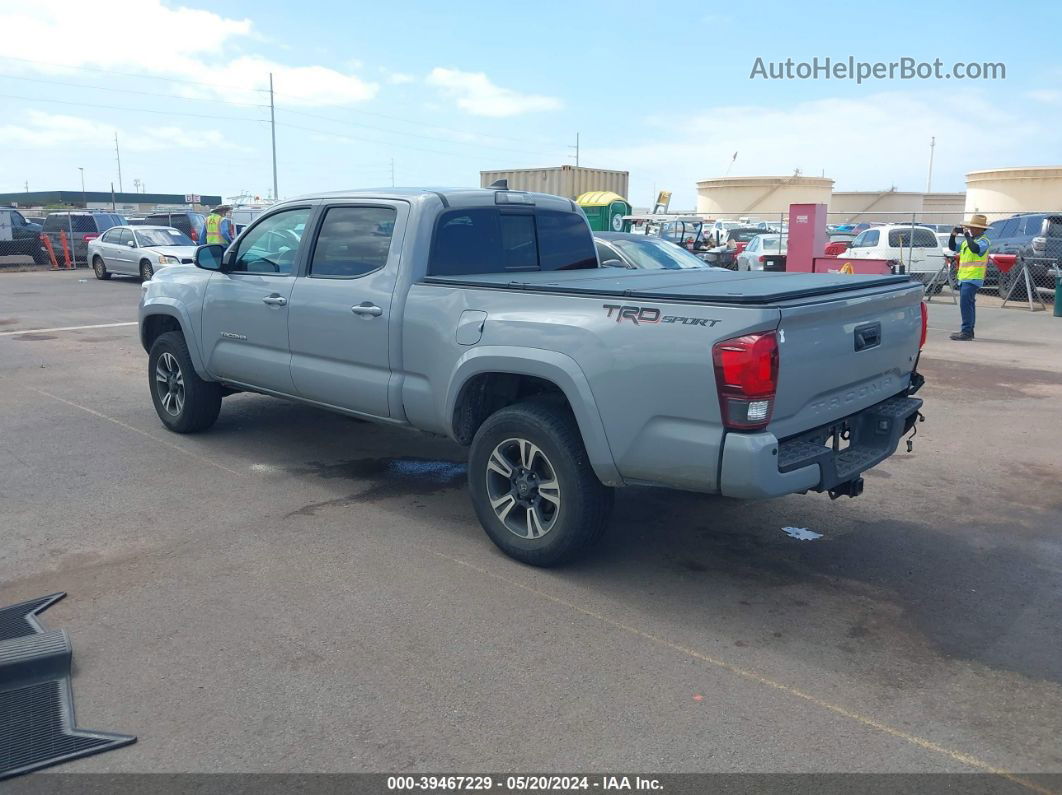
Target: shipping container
x=567 y=181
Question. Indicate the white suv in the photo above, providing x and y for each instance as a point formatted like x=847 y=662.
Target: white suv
x=914 y=247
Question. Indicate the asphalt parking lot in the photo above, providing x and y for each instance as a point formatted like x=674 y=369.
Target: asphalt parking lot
x=297 y=591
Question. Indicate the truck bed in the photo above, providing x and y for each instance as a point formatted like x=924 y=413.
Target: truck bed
x=707 y=286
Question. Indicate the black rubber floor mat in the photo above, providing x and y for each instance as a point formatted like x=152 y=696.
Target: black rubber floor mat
x=36 y=702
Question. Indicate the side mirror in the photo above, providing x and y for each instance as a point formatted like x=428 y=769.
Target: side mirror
x=209 y=258
x=613 y=263
x=131 y=244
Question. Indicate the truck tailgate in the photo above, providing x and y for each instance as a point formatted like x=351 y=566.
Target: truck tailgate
x=842 y=353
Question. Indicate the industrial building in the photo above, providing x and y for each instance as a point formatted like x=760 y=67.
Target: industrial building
x=1000 y=192
x=738 y=196
x=104 y=200
x=772 y=195
x=567 y=181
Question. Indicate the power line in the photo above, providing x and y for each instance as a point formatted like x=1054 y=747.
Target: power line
x=417 y=122
x=53 y=65
x=134 y=91
x=131 y=110
x=348 y=137
x=475 y=144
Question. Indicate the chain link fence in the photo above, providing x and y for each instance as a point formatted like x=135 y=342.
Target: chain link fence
x=1025 y=251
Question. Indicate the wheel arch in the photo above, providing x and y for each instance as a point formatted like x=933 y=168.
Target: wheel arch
x=158 y=318
x=488 y=379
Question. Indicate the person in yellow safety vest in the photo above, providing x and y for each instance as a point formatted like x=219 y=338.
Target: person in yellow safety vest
x=219 y=226
x=973 y=262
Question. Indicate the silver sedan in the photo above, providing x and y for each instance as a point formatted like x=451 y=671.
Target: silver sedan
x=139 y=251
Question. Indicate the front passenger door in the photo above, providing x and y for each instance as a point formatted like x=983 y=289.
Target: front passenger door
x=245 y=313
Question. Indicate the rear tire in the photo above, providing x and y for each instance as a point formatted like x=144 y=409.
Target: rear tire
x=184 y=402
x=539 y=444
x=99 y=268
x=146 y=271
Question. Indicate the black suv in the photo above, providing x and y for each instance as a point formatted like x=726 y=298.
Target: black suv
x=1036 y=239
x=191 y=223
x=25 y=236
x=81 y=226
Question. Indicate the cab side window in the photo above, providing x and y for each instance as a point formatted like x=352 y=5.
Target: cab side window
x=353 y=241
x=271 y=247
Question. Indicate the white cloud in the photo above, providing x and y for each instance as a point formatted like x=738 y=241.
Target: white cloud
x=1047 y=96
x=867 y=142
x=476 y=94
x=145 y=36
x=398 y=78
x=46 y=130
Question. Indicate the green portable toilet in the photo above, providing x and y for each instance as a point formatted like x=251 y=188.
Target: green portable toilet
x=605 y=210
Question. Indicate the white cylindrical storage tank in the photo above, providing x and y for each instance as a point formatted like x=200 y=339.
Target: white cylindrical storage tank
x=733 y=197
x=1001 y=192
x=567 y=181
x=874 y=205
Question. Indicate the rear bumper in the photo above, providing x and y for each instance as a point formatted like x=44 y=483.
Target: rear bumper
x=758 y=465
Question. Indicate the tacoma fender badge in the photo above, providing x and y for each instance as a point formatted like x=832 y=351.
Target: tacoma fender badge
x=230 y=336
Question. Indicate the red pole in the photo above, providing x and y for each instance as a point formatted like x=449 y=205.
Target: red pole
x=67 y=261
x=51 y=251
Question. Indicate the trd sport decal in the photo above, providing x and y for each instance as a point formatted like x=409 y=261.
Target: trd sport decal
x=648 y=314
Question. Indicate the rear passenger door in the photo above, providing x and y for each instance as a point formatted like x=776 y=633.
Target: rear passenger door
x=343 y=319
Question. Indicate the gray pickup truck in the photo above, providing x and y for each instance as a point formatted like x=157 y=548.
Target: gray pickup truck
x=482 y=315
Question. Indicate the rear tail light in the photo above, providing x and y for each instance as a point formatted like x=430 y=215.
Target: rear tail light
x=746 y=376
x=925 y=325
x=88 y=237
x=762 y=258
x=1039 y=244
x=194 y=234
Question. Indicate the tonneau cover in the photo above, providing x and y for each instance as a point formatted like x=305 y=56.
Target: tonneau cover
x=708 y=286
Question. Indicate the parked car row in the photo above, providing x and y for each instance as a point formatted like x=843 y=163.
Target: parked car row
x=139 y=250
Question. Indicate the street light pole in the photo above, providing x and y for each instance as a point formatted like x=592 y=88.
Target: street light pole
x=84 y=200
x=273 y=133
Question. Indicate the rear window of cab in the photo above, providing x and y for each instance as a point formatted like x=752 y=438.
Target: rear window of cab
x=483 y=240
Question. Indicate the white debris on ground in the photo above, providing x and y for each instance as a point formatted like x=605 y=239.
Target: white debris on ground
x=801 y=533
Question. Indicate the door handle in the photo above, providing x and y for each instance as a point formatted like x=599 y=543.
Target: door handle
x=275 y=300
x=370 y=310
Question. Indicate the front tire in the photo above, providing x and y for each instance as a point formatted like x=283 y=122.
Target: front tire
x=184 y=402
x=146 y=271
x=532 y=486
x=100 y=269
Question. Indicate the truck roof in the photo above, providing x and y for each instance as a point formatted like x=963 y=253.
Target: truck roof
x=458 y=197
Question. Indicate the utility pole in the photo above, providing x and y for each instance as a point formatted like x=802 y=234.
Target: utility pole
x=112 y=197
x=392 y=172
x=118 y=154
x=932 y=146
x=27 y=186
x=84 y=201
x=576 y=148
x=273 y=131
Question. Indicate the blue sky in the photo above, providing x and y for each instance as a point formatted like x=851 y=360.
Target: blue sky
x=445 y=90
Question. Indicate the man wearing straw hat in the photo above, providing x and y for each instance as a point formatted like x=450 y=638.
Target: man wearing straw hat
x=973 y=261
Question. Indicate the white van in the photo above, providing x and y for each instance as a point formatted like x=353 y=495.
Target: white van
x=916 y=248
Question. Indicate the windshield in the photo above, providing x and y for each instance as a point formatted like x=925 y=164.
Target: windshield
x=657 y=255
x=162 y=237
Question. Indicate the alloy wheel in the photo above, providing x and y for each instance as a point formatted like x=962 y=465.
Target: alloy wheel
x=522 y=488
x=169 y=383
